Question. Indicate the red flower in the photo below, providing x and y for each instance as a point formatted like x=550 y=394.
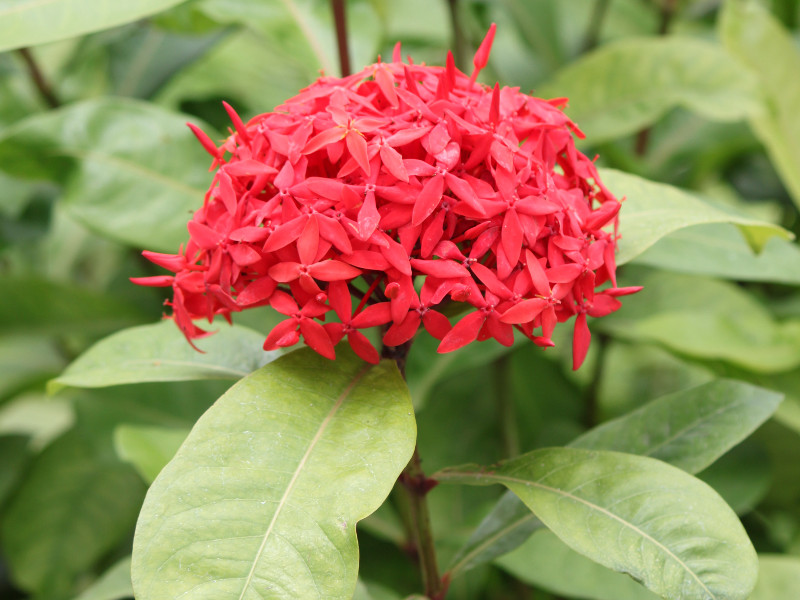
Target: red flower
x=397 y=177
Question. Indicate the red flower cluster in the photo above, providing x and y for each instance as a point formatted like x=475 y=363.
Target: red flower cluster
x=429 y=187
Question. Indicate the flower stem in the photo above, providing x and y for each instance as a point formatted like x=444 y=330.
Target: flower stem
x=592 y=35
x=501 y=370
x=39 y=80
x=458 y=34
x=340 y=20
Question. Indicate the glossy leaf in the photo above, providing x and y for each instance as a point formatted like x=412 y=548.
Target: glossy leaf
x=73 y=507
x=689 y=429
x=632 y=514
x=758 y=40
x=708 y=319
x=160 y=352
x=547 y=562
x=148 y=449
x=31 y=23
x=114 y=584
x=264 y=495
x=778 y=577
x=720 y=250
x=653 y=210
x=627 y=85
x=131 y=171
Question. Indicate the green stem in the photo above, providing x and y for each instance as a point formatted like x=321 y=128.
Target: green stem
x=458 y=34
x=340 y=20
x=501 y=372
x=592 y=36
x=39 y=80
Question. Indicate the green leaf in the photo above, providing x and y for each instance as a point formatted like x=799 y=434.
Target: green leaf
x=758 y=40
x=629 y=84
x=264 y=495
x=547 y=562
x=720 y=250
x=689 y=429
x=778 y=577
x=632 y=514
x=708 y=319
x=14 y=456
x=740 y=476
x=132 y=171
x=653 y=210
x=72 y=508
x=148 y=449
x=26 y=359
x=114 y=584
x=24 y=23
x=160 y=352
x=37 y=416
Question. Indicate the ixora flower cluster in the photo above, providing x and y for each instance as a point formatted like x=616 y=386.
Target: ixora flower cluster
x=400 y=189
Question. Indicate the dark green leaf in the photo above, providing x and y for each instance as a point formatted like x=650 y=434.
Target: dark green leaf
x=148 y=449
x=160 y=352
x=31 y=23
x=264 y=495
x=633 y=514
x=14 y=456
x=131 y=171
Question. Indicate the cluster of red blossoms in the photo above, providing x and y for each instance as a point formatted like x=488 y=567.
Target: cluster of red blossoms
x=400 y=189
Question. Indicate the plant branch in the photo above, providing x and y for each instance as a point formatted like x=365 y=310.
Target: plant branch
x=39 y=80
x=340 y=20
x=592 y=35
x=458 y=34
x=505 y=405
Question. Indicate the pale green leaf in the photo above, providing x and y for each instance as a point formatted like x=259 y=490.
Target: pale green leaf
x=160 y=352
x=778 y=577
x=547 y=562
x=41 y=418
x=708 y=319
x=263 y=497
x=653 y=210
x=73 y=507
x=26 y=359
x=132 y=171
x=148 y=449
x=758 y=40
x=32 y=22
x=720 y=250
x=629 y=84
x=633 y=514
x=689 y=429
x=114 y=584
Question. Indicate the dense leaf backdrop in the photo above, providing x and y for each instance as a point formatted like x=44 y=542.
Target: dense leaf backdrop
x=694 y=386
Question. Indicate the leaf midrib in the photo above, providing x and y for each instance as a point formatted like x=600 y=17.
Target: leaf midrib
x=289 y=488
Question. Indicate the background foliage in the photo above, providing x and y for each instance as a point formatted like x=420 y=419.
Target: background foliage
x=692 y=106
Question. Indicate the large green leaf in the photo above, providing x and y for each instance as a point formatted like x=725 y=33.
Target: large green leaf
x=758 y=40
x=73 y=507
x=689 y=429
x=263 y=497
x=114 y=584
x=653 y=210
x=708 y=319
x=547 y=562
x=632 y=514
x=148 y=449
x=778 y=577
x=160 y=352
x=626 y=85
x=132 y=171
x=720 y=250
x=26 y=23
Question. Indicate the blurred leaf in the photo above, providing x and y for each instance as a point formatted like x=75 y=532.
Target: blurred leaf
x=689 y=429
x=26 y=359
x=14 y=456
x=742 y=476
x=708 y=319
x=547 y=562
x=60 y=308
x=40 y=418
x=756 y=39
x=629 y=84
x=633 y=514
x=720 y=250
x=114 y=584
x=72 y=508
x=778 y=577
x=24 y=23
x=266 y=491
x=131 y=171
x=651 y=210
x=160 y=352
x=148 y=449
